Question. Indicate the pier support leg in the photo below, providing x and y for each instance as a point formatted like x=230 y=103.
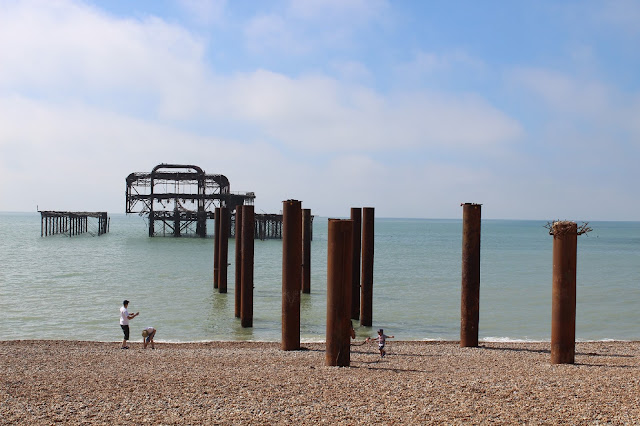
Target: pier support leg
x=306 y=251
x=366 y=290
x=470 y=294
x=238 y=284
x=216 y=247
x=339 y=264
x=291 y=274
x=563 y=309
x=246 y=308
x=224 y=250
x=356 y=217
x=176 y=221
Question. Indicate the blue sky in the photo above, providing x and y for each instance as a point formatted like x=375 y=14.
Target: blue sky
x=530 y=108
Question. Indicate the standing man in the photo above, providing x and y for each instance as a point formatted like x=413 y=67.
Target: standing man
x=125 y=316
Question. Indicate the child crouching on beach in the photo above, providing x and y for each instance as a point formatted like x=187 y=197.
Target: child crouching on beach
x=382 y=338
x=147 y=337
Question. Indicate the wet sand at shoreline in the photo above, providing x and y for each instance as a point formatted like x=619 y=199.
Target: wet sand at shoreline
x=45 y=382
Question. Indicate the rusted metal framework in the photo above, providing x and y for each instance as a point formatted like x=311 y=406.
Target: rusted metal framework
x=267 y=226
x=178 y=199
x=71 y=223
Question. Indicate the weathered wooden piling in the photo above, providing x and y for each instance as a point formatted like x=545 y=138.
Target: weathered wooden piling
x=366 y=289
x=224 y=250
x=291 y=273
x=216 y=247
x=470 y=294
x=356 y=217
x=339 y=284
x=238 y=283
x=306 y=251
x=246 y=308
x=563 y=304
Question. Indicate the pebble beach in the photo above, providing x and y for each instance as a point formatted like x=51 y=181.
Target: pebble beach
x=76 y=382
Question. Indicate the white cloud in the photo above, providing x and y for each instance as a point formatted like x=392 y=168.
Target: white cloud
x=159 y=67
x=87 y=97
x=77 y=157
x=265 y=33
x=427 y=63
x=352 y=71
x=580 y=105
x=620 y=15
x=64 y=50
x=205 y=12
x=100 y=102
x=565 y=93
x=352 y=11
x=305 y=27
x=321 y=114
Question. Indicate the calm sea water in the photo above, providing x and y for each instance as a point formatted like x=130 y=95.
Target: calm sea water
x=72 y=288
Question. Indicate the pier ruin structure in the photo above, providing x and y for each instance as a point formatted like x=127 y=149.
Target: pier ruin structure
x=267 y=226
x=178 y=199
x=72 y=223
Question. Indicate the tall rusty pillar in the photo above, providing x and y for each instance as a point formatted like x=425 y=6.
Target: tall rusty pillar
x=306 y=251
x=176 y=220
x=356 y=217
x=563 y=304
x=366 y=289
x=291 y=273
x=238 y=285
x=224 y=250
x=339 y=264
x=246 y=287
x=152 y=221
x=470 y=298
x=216 y=246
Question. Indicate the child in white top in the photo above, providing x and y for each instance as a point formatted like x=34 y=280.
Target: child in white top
x=382 y=338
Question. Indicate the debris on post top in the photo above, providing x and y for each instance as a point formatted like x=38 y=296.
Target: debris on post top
x=563 y=304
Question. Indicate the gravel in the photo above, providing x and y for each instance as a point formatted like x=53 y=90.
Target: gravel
x=46 y=382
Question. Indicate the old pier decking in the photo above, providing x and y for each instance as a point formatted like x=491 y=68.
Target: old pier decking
x=267 y=226
x=71 y=223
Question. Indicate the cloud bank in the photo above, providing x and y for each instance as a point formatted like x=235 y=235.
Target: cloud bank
x=88 y=95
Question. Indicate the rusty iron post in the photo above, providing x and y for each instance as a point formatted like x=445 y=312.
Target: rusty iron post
x=356 y=217
x=470 y=294
x=216 y=246
x=306 y=251
x=339 y=264
x=563 y=309
x=246 y=308
x=238 y=284
x=366 y=289
x=224 y=250
x=291 y=273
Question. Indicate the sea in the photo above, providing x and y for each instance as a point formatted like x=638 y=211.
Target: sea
x=71 y=288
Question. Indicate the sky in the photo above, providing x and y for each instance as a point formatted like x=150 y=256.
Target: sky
x=531 y=109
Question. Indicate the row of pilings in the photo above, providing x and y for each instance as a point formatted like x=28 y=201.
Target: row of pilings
x=350 y=282
x=296 y=269
x=71 y=223
x=563 y=300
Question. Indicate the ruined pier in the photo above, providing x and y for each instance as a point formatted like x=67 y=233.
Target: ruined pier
x=71 y=223
x=179 y=198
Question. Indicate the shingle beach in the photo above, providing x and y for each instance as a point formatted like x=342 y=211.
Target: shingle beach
x=47 y=382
